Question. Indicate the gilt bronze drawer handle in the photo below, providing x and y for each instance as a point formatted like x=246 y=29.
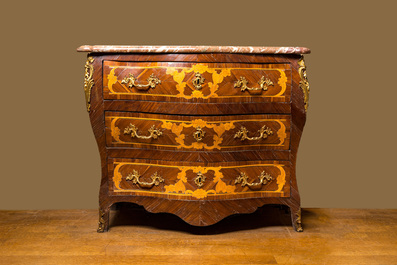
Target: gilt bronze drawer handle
x=263 y=83
x=198 y=81
x=134 y=177
x=199 y=134
x=133 y=131
x=264 y=132
x=131 y=82
x=264 y=178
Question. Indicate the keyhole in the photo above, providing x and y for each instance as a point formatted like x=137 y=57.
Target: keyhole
x=198 y=81
x=199 y=180
x=199 y=134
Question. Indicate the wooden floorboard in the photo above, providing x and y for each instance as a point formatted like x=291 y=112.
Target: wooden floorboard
x=331 y=236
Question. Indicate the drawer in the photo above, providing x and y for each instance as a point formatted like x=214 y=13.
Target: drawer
x=205 y=133
x=197 y=82
x=199 y=181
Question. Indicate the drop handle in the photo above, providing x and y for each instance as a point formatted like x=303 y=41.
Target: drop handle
x=134 y=177
x=264 y=132
x=264 y=178
x=131 y=81
x=264 y=83
x=132 y=130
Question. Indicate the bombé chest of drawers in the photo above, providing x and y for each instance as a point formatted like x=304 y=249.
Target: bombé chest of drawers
x=202 y=132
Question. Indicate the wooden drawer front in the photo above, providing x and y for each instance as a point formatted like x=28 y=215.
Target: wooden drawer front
x=178 y=180
x=194 y=82
x=206 y=133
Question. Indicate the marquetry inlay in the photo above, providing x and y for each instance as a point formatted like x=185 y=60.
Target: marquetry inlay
x=202 y=132
x=191 y=78
x=217 y=184
x=175 y=129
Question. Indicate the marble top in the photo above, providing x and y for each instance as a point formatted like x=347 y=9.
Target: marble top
x=193 y=49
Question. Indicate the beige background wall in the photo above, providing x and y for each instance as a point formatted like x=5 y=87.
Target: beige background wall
x=49 y=158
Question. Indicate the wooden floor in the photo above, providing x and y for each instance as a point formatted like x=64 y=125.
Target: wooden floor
x=331 y=236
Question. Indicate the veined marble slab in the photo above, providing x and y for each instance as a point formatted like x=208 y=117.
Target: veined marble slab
x=193 y=49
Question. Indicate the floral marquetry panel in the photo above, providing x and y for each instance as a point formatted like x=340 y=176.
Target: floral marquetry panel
x=221 y=181
x=180 y=133
x=188 y=82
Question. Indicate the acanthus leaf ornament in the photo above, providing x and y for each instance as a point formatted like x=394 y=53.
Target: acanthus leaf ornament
x=304 y=83
x=88 y=81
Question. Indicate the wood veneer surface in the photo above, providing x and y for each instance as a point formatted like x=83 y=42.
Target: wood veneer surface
x=200 y=213
x=332 y=236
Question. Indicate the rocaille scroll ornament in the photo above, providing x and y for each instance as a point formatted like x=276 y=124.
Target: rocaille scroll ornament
x=304 y=83
x=88 y=81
